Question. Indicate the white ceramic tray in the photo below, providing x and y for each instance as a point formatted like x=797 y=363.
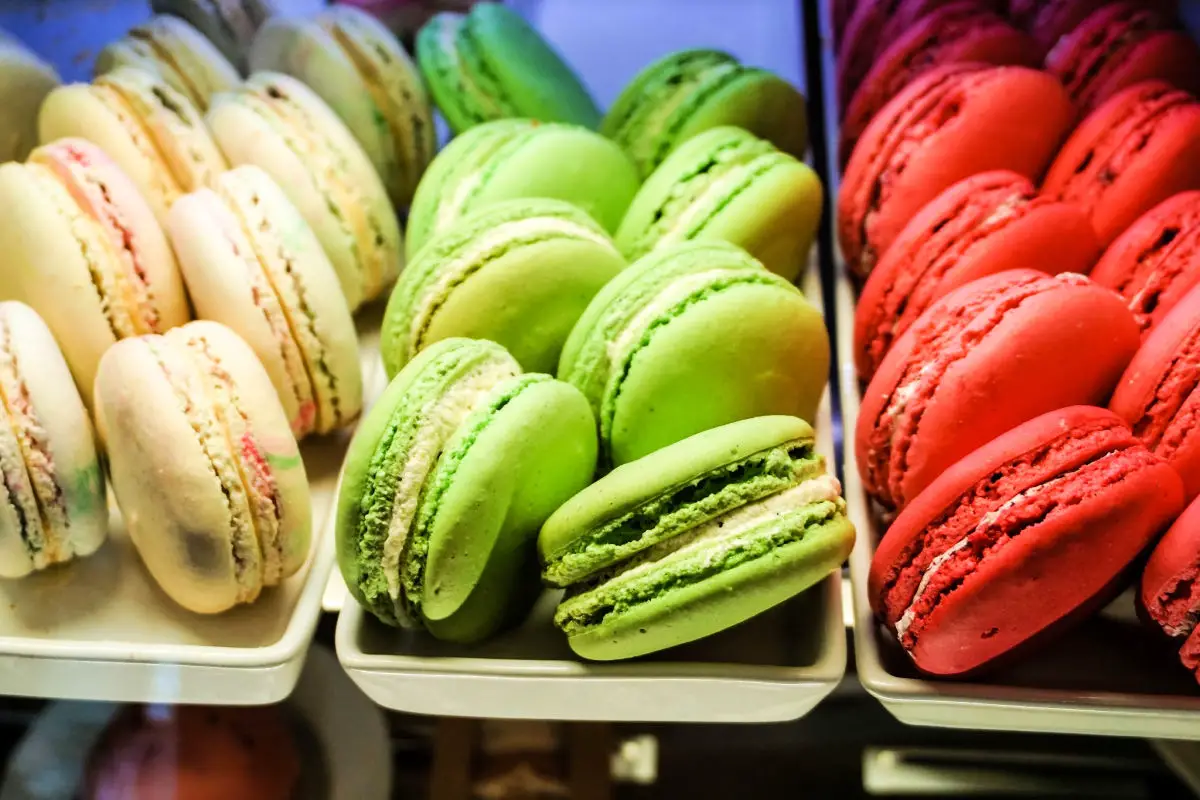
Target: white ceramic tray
x=1110 y=676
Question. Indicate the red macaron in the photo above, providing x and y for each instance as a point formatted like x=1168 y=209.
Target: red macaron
x=948 y=124
x=1170 y=590
x=1119 y=45
x=988 y=223
x=1156 y=261
x=1159 y=394
x=1029 y=532
x=1050 y=20
x=840 y=11
x=958 y=32
x=983 y=359
x=1130 y=154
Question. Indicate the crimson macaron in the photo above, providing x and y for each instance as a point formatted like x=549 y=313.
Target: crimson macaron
x=1170 y=589
x=1050 y=20
x=948 y=124
x=1119 y=45
x=1159 y=394
x=985 y=358
x=961 y=31
x=988 y=223
x=1027 y=533
x=1131 y=153
x=1156 y=261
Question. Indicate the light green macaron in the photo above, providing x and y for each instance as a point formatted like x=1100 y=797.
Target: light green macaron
x=691 y=337
x=694 y=538
x=447 y=482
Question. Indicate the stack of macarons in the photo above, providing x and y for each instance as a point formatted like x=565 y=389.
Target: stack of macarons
x=1025 y=243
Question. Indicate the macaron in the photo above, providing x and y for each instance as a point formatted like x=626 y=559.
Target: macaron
x=841 y=11
x=1170 y=589
x=692 y=337
x=694 y=538
x=229 y=24
x=204 y=465
x=959 y=32
x=519 y=273
x=83 y=248
x=988 y=223
x=54 y=506
x=1020 y=538
x=277 y=123
x=728 y=184
x=252 y=263
x=948 y=124
x=1127 y=156
x=491 y=64
x=151 y=131
x=446 y=484
x=355 y=64
x=1119 y=45
x=690 y=91
x=1157 y=394
x=1050 y=20
x=986 y=357
x=516 y=159
x=190 y=63
x=25 y=80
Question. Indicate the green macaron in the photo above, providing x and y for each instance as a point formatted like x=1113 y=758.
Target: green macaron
x=728 y=184
x=512 y=159
x=694 y=538
x=690 y=337
x=520 y=273
x=691 y=91
x=490 y=64
x=445 y=486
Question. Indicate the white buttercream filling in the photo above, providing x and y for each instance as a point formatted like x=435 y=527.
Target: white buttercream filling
x=705 y=204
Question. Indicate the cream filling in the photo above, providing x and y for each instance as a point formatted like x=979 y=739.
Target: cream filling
x=705 y=205
x=439 y=419
x=451 y=208
x=483 y=248
x=644 y=149
x=672 y=295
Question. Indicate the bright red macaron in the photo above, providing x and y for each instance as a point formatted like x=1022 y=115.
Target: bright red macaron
x=1159 y=394
x=958 y=32
x=988 y=223
x=983 y=359
x=1029 y=532
x=1119 y=45
x=1130 y=154
x=1170 y=590
x=1156 y=261
x=948 y=124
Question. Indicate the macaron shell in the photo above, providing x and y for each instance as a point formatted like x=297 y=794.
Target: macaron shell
x=25 y=81
x=1172 y=566
x=228 y=25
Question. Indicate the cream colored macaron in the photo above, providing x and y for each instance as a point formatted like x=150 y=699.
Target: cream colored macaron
x=25 y=80
x=204 y=465
x=251 y=262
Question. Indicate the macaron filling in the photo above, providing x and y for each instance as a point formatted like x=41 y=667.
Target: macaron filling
x=1162 y=264
x=151 y=47
x=459 y=64
x=666 y=516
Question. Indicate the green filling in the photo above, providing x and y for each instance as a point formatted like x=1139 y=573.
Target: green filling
x=593 y=607
x=734 y=485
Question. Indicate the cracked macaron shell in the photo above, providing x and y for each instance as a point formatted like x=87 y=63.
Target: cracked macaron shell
x=691 y=91
x=278 y=124
x=52 y=478
x=362 y=72
x=949 y=124
x=979 y=226
x=983 y=359
x=253 y=264
x=85 y=251
x=727 y=184
x=204 y=465
x=515 y=159
x=1169 y=590
x=519 y=273
x=27 y=82
x=1056 y=508
x=190 y=63
x=691 y=337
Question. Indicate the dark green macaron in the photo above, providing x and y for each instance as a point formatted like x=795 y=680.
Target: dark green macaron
x=730 y=185
x=448 y=480
x=519 y=273
x=690 y=91
x=694 y=538
x=490 y=64
x=690 y=337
